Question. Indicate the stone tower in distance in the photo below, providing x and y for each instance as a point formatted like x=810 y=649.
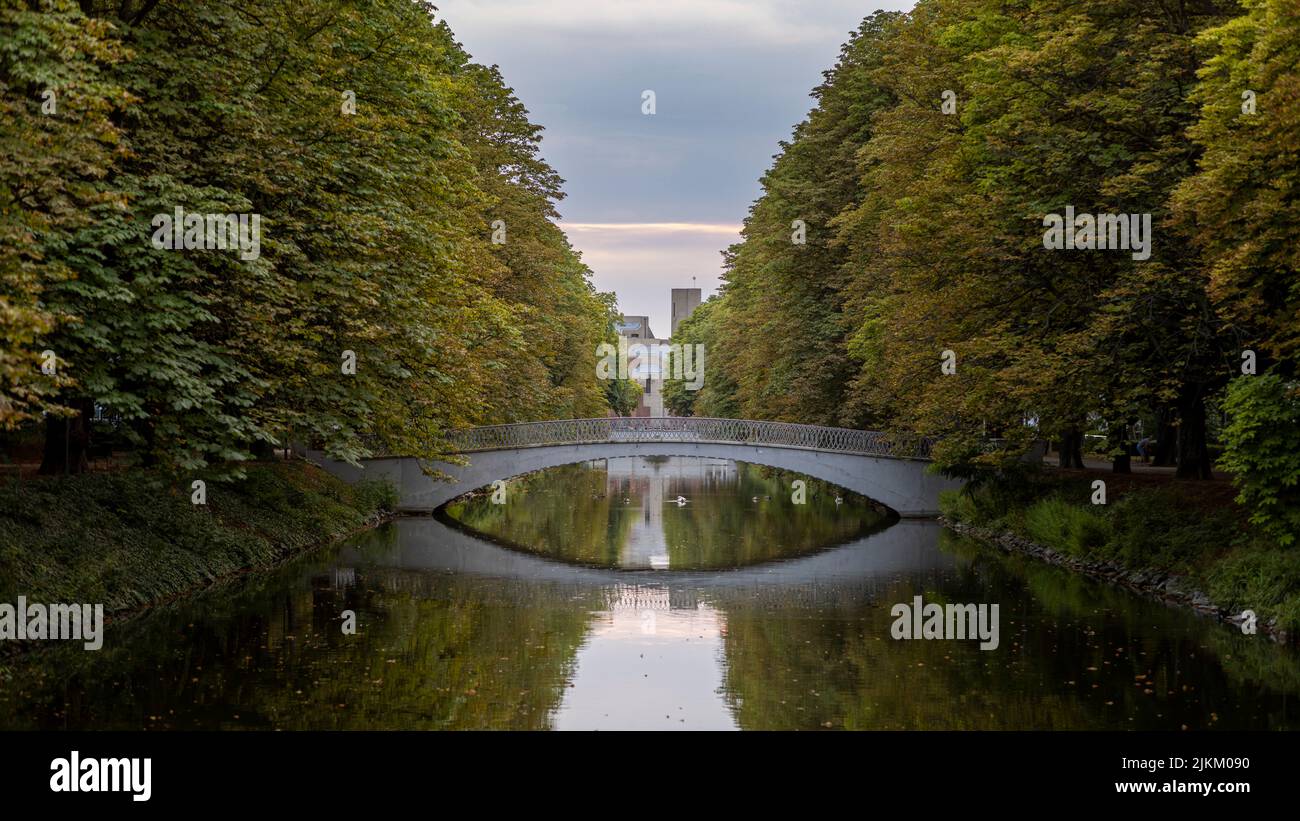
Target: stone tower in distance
x=685 y=301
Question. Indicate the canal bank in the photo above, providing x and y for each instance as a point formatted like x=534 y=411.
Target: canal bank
x=1163 y=543
x=130 y=541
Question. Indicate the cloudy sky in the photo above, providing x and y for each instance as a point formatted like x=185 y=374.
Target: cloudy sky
x=653 y=199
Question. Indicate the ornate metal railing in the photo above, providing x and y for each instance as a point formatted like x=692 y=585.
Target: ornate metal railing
x=691 y=429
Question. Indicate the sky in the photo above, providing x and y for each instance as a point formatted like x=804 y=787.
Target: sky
x=652 y=199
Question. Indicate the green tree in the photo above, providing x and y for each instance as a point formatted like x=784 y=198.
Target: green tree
x=716 y=391
x=623 y=395
x=376 y=156
x=1243 y=204
x=58 y=142
x=1260 y=451
x=783 y=349
x=559 y=318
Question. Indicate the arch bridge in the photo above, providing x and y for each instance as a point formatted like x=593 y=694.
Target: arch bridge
x=887 y=467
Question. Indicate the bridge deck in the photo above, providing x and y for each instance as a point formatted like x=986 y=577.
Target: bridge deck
x=692 y=429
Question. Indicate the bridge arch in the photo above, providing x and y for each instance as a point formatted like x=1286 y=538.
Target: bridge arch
x=890 y=469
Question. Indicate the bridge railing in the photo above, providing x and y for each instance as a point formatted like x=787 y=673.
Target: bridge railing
x=692 y=429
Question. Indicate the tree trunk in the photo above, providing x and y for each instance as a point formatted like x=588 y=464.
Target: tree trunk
x=67 y=441
x=1118 y=440
x=262 y=450
x=148 y=454
x=1071 y=449
x=1165 y=446
x=1193 y=453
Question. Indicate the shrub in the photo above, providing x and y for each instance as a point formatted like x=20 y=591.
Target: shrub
x=957 y=506
x=1069 y=528
x=1259 y=577
x=372 y=496
x=1157 y=528
x=1260 y=451
x=993 y=498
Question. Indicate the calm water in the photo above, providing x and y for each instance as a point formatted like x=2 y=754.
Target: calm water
x=603 y=602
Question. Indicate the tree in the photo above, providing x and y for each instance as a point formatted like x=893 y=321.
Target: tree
x=1260 y=450
x=1242 y=206
x=375 y=314
x=559 y=318
x=783 y=349
x=58 y=142
x=623 y=395
x=714 y=392
x=969 y=122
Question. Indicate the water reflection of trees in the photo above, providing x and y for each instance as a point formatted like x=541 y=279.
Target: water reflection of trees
x=733 y=517
x=431 y=652
x=1198 y=672
x=836 y=666
x=443 y=650
x=1073 y=654
x=564 y=513
x=754 y=520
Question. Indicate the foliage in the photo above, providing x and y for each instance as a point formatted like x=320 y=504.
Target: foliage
x=1243 y=204
x=713 y=397
x=1155 y=529
x=58 y=140
x=1159 y=529
x=1262 y=578
x=376 y=222
x=777 y=352
x=130 y=539
x=934 y=242
x=623 y=395
x=1067 y=527
x=1260 y=449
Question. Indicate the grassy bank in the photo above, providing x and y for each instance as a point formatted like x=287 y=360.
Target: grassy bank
x=1181 y=528
x=131 y=539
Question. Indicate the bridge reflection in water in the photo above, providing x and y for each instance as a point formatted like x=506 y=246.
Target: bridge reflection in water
x=653 y=655
x=456 y=632
x=906 y=548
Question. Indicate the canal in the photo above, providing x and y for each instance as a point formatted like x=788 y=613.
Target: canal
x=656 y=593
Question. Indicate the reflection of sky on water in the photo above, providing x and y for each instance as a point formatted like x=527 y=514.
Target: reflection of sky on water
x=646 y=666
